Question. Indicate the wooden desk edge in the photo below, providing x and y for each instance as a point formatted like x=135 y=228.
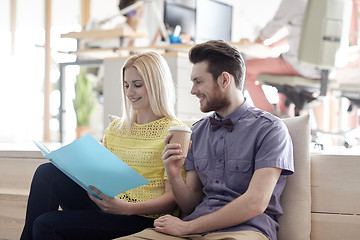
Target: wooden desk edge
x=101 y=34
x=185 y=47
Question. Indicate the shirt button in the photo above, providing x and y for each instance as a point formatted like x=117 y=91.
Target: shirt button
x=217 y=181
x=221 y=138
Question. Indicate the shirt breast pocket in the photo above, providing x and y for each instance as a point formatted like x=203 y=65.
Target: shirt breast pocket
x=239 y=174
x=201 y=166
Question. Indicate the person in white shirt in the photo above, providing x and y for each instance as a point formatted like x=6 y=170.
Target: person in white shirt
x=290 y=15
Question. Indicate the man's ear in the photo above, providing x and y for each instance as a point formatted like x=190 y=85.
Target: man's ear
x=225 y=79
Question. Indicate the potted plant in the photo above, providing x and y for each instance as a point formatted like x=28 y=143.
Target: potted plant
x=84 y=103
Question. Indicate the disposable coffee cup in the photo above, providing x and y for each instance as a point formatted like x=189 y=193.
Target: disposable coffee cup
x=181 y=135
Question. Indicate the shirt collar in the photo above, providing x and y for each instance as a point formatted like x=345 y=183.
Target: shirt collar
x=235 y=115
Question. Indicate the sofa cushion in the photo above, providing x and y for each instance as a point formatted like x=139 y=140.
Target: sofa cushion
x=295 y=224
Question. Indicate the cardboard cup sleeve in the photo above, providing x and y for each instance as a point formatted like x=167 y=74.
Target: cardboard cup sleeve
x=181 y=135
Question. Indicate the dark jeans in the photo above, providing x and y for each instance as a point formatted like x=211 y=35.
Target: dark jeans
x=80 y=218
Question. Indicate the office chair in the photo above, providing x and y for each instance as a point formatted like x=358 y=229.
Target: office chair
x=351 y=91
x=323 y=31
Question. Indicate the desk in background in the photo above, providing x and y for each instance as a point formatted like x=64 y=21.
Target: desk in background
x=250 y=50
x=100 y=34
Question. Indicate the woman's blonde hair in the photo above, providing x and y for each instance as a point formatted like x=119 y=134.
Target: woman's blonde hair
x=159 y=84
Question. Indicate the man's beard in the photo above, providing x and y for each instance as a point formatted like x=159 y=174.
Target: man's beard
x=217 y=101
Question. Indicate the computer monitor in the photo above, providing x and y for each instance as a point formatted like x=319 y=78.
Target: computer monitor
x=213 y=20
x=204 y=20
x=177 y=13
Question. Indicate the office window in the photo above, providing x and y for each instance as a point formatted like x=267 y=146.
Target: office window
x=22 y=75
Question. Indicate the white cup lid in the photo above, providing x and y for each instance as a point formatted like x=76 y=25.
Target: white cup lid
x=180 y=128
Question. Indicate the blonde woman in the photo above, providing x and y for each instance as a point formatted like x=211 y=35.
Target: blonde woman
x=138 y=139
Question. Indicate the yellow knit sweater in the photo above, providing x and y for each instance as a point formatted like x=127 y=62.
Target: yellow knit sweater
x=142 y=151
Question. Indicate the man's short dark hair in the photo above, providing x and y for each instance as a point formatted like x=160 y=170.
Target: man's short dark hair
x=221 y=56
x=125 y=3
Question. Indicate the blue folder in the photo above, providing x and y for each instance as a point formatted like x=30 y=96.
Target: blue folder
x=87 y=162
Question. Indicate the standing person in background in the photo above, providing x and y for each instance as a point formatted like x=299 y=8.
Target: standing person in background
x=290 y=15
x=354 y=26
x=130 y=18
x=134 y=22
x=137 y=139
x=238 y=160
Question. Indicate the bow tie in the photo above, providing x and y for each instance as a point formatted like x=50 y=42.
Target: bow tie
x=227 y=123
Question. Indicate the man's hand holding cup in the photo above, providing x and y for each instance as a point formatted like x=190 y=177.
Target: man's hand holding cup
x=177 y=145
